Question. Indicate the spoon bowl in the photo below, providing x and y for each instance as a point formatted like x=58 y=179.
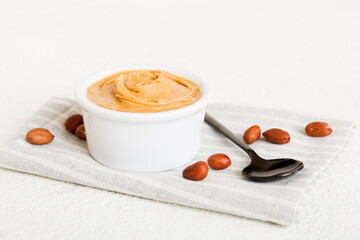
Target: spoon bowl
x=260 y=169
x=273 y=169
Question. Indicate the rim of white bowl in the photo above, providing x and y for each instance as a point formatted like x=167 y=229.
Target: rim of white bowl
x=87 y=105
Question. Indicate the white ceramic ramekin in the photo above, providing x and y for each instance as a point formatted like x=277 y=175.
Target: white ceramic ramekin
x=143 y=142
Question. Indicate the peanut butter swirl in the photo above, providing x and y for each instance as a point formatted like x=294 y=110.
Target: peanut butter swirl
x=143 y=91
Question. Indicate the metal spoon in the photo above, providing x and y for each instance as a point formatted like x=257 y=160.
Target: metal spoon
x=260 y=169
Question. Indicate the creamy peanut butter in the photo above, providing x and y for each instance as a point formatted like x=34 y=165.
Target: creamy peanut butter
x=143 y=91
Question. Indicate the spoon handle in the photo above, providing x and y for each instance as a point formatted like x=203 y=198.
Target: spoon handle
x=230 y=135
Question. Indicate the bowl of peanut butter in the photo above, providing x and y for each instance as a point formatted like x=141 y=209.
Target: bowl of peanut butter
x=143 y=118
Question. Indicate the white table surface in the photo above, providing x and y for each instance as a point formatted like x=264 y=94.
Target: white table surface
x=302 y=56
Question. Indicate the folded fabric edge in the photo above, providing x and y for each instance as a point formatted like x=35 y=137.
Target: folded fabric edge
x=10 y=168
x=312 y=185
x=278 y=111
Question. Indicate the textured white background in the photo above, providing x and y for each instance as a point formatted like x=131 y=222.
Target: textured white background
x=302 y=56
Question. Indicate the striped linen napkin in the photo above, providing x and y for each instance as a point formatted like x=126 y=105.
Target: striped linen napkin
x=67 y=159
